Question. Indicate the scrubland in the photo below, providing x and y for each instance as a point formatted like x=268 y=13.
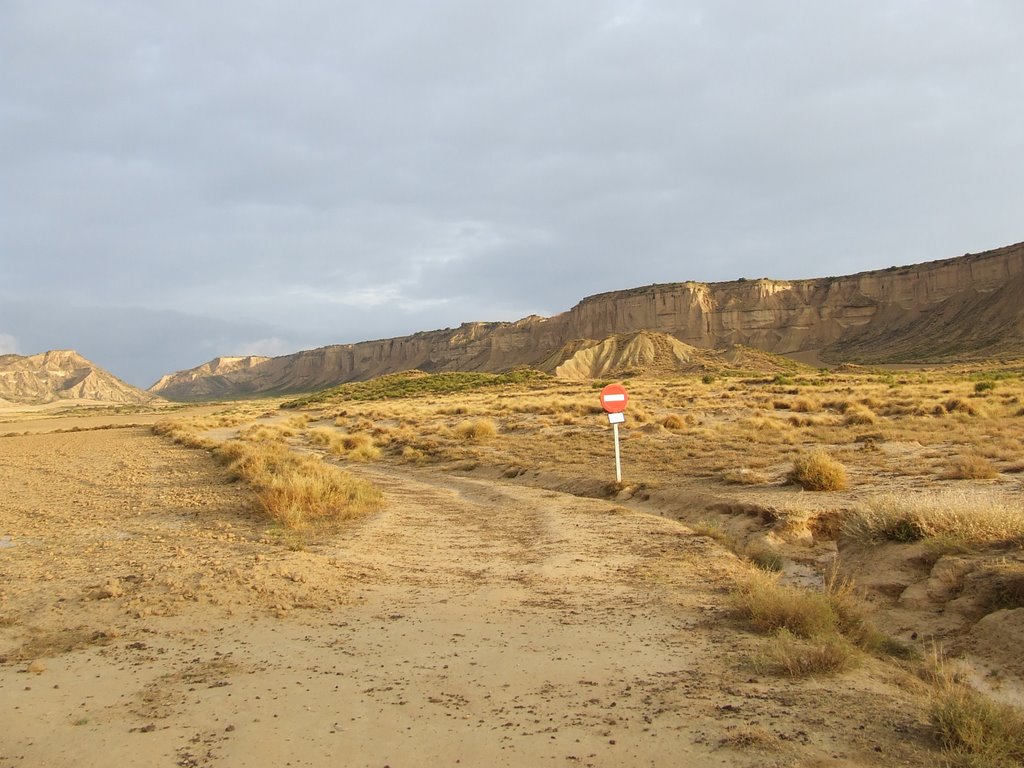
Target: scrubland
x=872 y=520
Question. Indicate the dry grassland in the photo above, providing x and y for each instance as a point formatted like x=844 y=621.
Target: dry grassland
x=916 y=475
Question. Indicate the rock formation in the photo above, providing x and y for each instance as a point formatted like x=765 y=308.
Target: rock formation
x=62 y=375
x=970 y=307
x=650 y=353
x=206 y=381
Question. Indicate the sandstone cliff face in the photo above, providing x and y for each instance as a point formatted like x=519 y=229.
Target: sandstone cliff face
x=62 y=375
x=968 y=307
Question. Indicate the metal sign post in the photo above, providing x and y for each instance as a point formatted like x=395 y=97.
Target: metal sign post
x=614 y=400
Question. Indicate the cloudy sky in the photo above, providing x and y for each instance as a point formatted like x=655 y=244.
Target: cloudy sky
x=181 y=180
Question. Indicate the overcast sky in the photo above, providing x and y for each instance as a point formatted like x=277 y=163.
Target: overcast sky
x=181 y=180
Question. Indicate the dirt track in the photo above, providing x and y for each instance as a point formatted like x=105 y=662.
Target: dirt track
x=146 y=618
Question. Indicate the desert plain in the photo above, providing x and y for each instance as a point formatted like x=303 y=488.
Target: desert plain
x=800 y=567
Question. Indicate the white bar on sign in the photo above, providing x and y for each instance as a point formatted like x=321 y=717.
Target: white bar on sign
x=614 y=398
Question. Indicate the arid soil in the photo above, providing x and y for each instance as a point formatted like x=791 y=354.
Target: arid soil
x=149 y=617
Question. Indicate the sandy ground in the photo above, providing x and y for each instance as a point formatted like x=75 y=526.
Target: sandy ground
x=147 y=618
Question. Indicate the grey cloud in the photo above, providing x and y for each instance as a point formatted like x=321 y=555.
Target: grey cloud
x=323 y=172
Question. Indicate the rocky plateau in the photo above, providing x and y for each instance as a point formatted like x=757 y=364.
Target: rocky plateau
x=965 y=308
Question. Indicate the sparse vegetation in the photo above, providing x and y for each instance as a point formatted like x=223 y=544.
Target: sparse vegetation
x=765 y=558
x=971 y=519
x=415 y=384
x=974 y=731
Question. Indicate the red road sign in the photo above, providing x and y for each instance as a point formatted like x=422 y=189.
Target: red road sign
x=614 y=398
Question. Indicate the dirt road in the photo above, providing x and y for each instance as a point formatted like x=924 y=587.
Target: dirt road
x=148 y=619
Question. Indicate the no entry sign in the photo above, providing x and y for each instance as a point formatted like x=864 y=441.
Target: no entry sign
x=614 y=398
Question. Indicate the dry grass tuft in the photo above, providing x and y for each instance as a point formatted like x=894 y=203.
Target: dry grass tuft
x=812 y=632
x=971 y=467
x=744 y=476
x=789 y=655
x=476 y=430
x=960 y=405
x=181 y=434
x=764 y=557
x=804 y=405
x=972 y=519
x=674 y=421
x=859 y=414
x=298 y=491
x=412 y=455
x=818 y=471
x=770 y=606
x=751 y=736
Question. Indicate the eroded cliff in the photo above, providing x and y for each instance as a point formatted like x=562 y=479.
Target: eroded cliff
x=969 y=307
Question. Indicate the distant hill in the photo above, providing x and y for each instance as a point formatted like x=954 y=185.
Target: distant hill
x=206 y=381
x=966 y=308
x=62 y=375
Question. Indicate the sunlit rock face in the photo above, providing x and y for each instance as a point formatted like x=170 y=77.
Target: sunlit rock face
x=61 y=375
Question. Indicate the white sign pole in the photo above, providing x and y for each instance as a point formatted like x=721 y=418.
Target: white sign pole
x=618 y=462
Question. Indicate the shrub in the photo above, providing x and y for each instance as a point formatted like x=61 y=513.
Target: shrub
x=984 y=386
x=476 y=431
x=818 y=471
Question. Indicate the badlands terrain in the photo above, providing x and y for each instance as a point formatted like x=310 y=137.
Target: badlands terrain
x=480 y=590
x=413 y=551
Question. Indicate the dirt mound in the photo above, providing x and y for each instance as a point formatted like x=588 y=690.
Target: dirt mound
x=648 y=353
x=61 y=375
